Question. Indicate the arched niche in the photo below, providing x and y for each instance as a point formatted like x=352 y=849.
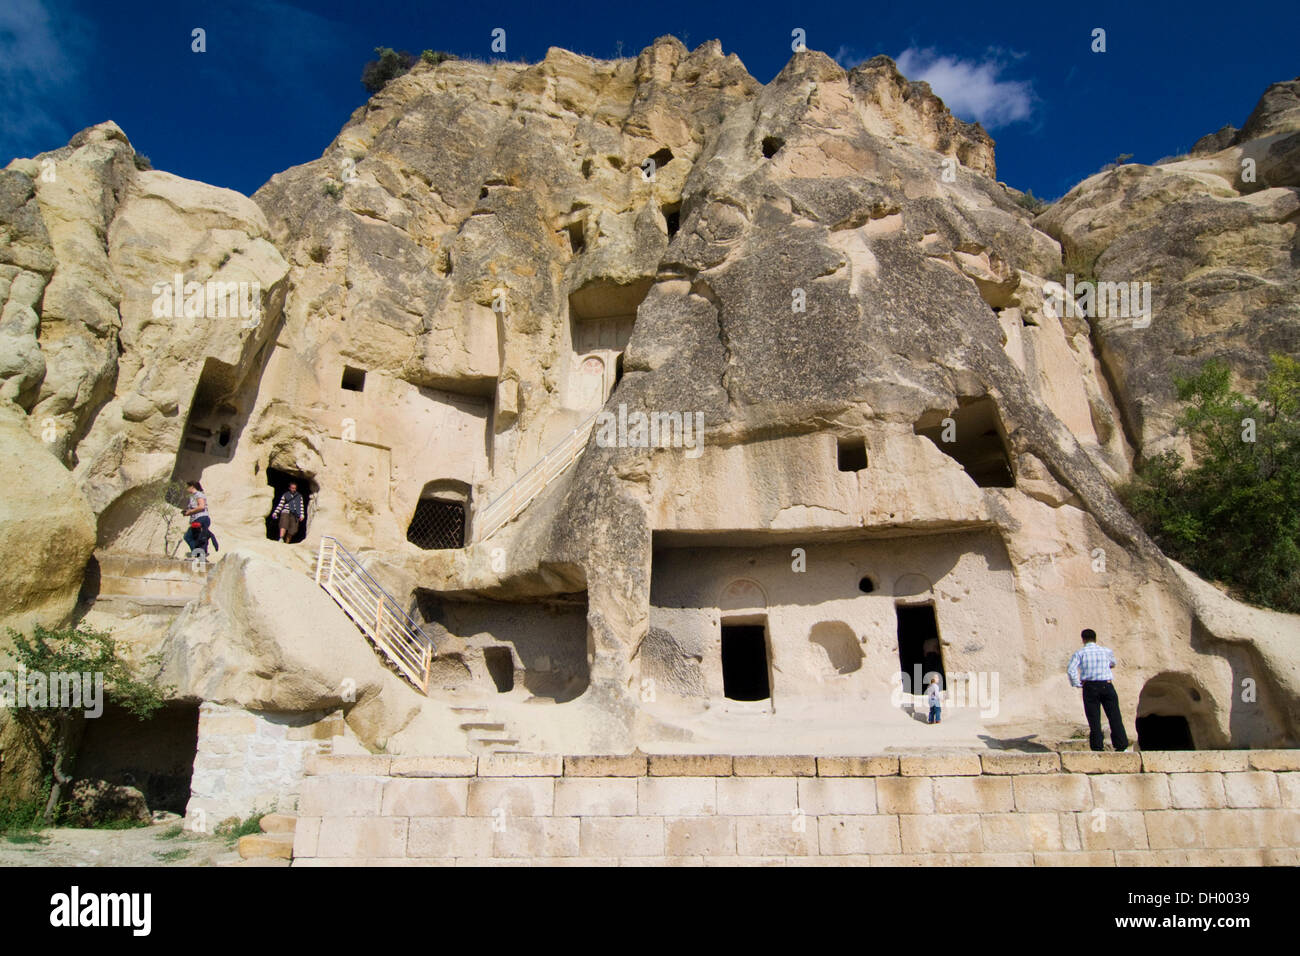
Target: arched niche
x=742 y=594
x=1175 y=712
x=916 y=588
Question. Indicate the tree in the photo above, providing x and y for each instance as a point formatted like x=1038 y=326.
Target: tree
x=167 y=503
x=1233 y=514
x=391 y=64
x=52 y=724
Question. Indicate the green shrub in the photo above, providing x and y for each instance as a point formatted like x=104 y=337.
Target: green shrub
x=142 y=162
x=434 y=57
x=233 y=829
x=51 y=729
x=1234 y=515
x=1028 y=200
x=389 y=65
x=22 y=817
x=333 y=190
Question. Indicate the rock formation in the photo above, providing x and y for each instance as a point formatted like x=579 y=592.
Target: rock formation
x=1215 y=235
x=908 y=450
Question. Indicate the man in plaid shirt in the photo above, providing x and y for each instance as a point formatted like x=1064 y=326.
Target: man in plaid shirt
x=1090 y=669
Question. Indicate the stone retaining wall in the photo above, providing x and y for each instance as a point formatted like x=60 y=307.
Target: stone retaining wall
x=252 y=761
x=1165 y=808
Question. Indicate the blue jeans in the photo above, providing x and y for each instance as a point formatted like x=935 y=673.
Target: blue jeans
x=934 y=714
x=189 y=536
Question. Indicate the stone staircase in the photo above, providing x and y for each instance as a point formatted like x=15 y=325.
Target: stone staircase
x=510 y=503
x=273 y=844
x=484 y=734
x=149 y=580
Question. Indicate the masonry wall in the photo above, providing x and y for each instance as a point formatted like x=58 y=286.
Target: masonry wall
x=1166 y=808
x=251 y=761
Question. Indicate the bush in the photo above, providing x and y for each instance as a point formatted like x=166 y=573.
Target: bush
x=434 y=57
x=50 y=726
x=142 y=162
x=1028 y=200
x=390 y=65
x=234 y=828
x=24 y=816
x=1234 y=515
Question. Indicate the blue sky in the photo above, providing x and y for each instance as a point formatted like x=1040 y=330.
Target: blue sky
x=279 y=79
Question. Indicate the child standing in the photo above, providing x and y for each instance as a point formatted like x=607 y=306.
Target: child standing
x=933 y=696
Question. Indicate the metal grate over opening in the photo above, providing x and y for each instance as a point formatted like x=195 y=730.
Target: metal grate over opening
x=438 y=524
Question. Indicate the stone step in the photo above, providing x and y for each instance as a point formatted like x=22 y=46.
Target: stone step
x=270 y=861
x=482 y=726
x=278 y=823
x=113 y=584
x=147 y=566
x=275 y=845
x=490 y=746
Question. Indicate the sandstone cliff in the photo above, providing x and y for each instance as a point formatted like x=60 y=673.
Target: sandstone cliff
x=822 y=268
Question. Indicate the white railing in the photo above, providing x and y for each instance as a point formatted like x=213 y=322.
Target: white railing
x=531 y=483
x=375 y=611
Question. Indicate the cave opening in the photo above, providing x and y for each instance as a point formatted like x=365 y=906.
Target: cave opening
x=500 y=665
x=672 y=218
x=972 y=436
x=156 y=756
x=661 y=158
x=1164 y=732
x=577 y=237
x=918 y=645
x=851 y=454
x=279 y=480
x=354 y=379
x=744 y=662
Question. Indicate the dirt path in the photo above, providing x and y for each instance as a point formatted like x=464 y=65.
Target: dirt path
x=162 y=844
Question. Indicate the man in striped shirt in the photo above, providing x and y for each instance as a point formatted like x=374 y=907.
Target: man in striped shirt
x=1090 y=669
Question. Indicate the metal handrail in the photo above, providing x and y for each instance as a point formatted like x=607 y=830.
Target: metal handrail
x=521 y=492
x=375 y=611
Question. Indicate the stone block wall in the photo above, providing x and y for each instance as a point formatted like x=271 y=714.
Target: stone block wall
x=250 y=761
x=1168 y=809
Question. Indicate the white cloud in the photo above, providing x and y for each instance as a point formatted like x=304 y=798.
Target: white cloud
x=37 y=74
x=848 y=58
x=971 y=89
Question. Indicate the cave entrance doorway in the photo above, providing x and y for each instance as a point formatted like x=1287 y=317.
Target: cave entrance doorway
x=156 y=756
x=500 y=665
x=919 y=651
x=279 y=481
x=745 y=671
x=1173 y=712
x=1164 y=732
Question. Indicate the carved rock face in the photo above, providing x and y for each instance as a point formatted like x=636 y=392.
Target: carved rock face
x=489 y=253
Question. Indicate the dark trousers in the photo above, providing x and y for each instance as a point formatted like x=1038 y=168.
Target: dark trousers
x=193 y=538
x=1098 y=694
